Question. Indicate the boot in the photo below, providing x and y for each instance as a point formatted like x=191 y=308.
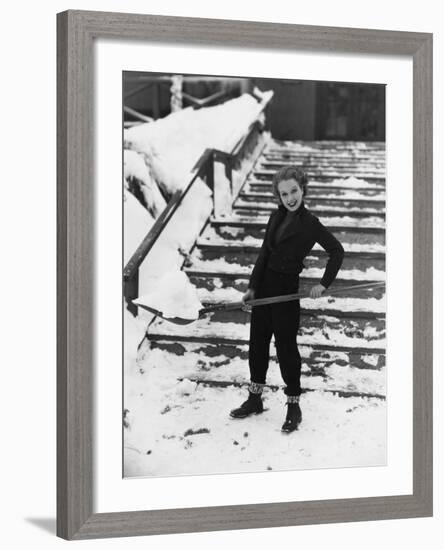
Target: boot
x=253 y=405
x=293 y=418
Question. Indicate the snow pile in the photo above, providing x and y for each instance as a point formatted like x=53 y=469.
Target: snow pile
x=135 y=170
x=174 y=296
x=172 y=145
x=134 y=331
x=137 y=222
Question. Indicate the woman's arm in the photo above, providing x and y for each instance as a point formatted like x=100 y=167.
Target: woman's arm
x=335 y=252
x=261 y=261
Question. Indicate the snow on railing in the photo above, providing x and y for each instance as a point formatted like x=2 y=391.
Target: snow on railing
x=215 y=168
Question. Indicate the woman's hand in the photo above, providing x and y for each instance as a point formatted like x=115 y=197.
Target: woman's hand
x=317 y=291
x=249 y=295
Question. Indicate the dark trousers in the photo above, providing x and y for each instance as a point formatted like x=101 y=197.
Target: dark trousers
x=282 y=320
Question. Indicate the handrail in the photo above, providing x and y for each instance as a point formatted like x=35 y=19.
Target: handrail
x=153 y=234
x=159 y=225
x=136 y=114
x=206 y=100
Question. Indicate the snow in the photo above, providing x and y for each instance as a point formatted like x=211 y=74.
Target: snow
x=165 y=152
x=327 y=302
x=329 y=221
x=345 y=196
x=174 y=296
x=351 y=182
x=134 y=167
x=220 y=265
x=190 y=431
x=176 y=417
x=314 y=208
x=137 y=223
x=172 y=145
x=206 y=328
x=213 y=239
x=370 y=274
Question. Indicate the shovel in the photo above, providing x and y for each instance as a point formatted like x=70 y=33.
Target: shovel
x=227 y=306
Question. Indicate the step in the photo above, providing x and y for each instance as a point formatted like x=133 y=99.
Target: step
x=355 y=306
x=311 y=384
x=334 y=223
x=314 y=158
x=238 y=282
x=351 y=323
x=327 y=173
x=333 y=146
x=245 y=255
x=225 y=357
x=245 y=208
x=328 y=338
x=326 y=189
x=354 y=315
x=322 y=200
x=309 y=163
x=245 y=230
x=220 y=267
x=322 y=178
x=214 y=243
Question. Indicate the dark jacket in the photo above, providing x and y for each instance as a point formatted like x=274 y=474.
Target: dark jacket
x=294 y=245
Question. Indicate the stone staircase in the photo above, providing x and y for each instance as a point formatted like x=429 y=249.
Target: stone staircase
x=342 y=337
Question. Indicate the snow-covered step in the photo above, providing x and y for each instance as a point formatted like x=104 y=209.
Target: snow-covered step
x=322 y=174
x=260 y=208
x=328 y=338
x=211 y=356
x=320 y=179
x=238 y=282
x=346 y=201
x=246 y=254
x=334 y=146
x=310 y=164
x=219 y=266
x=310 y=383
x=334 y=223
x=240 y=231
x=341 y=150
x=318 y=161
x=211 y=242
x=351 y=323
x=367 y=308
x=315 y=189
x=327 y=145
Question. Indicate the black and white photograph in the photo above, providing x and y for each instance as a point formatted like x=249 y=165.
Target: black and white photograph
x=254 y=307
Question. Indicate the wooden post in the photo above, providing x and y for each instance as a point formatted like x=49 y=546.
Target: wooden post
x=223 y=185
x=131 y=291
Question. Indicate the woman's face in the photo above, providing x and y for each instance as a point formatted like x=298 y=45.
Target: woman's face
x=290 y=193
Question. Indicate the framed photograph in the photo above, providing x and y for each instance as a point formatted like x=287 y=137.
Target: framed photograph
x=244 y=275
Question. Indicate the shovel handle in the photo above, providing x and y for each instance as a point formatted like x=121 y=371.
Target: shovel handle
x=285 y=298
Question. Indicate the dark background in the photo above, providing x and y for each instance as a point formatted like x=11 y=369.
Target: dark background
x=300 y=109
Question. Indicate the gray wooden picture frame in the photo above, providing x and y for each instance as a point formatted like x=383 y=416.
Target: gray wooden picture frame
x=76 y=32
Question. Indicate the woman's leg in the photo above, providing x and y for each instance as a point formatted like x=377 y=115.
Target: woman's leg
x=285 y=320
x=259 y=345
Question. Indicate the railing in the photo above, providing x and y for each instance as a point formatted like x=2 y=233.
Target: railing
x=216 y=169
x=231 y=86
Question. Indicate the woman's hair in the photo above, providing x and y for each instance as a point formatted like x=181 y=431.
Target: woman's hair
x=289 y=173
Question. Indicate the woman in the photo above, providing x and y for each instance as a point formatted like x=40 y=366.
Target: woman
x=291 y=233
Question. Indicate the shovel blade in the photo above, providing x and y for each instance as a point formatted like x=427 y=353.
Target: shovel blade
x=175 y=320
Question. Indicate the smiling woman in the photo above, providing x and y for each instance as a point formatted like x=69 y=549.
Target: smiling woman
x=291 y=233
x=287 y=181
